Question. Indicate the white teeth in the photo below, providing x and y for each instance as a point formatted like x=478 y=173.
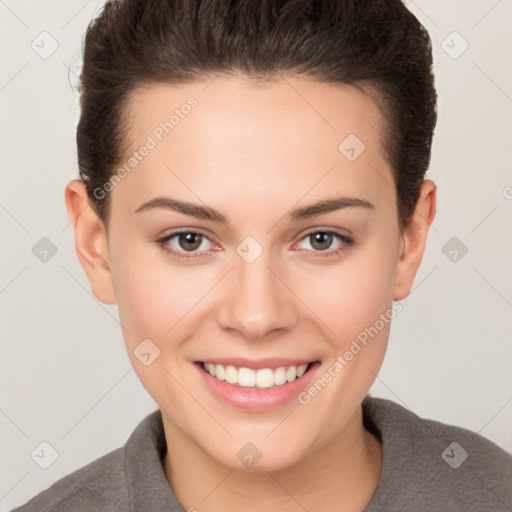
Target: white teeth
x=220 y=373
x=246 y=377
x=280 y=376
x=263 y=378
x=231 y=375
x=301 y=369
x=291 y=373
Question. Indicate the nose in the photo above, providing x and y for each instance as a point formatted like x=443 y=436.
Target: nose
x=258 y=301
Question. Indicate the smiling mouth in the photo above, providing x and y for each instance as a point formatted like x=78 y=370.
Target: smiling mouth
x=263 y=378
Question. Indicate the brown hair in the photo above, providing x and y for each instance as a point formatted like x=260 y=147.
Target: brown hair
x=377 y=46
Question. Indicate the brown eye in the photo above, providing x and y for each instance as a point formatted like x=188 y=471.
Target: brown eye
x=322 y=244
x=321 y=240
x=190 y=241
x=186 y=245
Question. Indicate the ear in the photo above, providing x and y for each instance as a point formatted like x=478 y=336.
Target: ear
x=90 y=241
x=413 y=240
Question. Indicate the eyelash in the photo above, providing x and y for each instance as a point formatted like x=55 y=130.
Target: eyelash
x=348 y=242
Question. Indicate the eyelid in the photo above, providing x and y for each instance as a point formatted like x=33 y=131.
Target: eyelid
x=325 y=229
x=175 y=232
x=199 y=231
x=347 y=242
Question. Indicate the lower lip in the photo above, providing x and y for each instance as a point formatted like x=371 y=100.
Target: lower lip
x=257 y=400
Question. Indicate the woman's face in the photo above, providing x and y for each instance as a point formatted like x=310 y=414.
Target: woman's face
x=259 y=277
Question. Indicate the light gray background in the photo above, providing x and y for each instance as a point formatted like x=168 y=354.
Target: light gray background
x=65 y=377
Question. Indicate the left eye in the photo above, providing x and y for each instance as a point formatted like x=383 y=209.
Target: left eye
x=320 y=240
x=189 y=241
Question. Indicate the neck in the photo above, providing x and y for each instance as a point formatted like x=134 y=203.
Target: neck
x=341 y=476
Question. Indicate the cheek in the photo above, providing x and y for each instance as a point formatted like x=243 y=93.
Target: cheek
x=154 y=302
x=153 y=297
x=351 y=296
x=354 y=304
x=157 y=299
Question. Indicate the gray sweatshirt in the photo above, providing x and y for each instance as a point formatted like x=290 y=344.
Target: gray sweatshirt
x=427 y=467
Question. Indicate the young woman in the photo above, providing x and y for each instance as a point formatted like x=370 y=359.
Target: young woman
x=253 y=198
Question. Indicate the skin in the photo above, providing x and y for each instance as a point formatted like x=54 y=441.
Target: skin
x=255 y=152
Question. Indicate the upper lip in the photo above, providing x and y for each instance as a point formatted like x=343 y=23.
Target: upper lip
x=269 y=362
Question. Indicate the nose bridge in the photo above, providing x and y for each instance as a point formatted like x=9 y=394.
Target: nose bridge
x=258 y=302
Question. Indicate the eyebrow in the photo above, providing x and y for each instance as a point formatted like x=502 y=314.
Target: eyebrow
x=207 y=213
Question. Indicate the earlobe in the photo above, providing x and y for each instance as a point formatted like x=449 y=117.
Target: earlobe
x=413 y=241
x=90 y=241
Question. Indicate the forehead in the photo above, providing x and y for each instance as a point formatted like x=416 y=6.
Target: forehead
x=289 y=135
x=303 y=108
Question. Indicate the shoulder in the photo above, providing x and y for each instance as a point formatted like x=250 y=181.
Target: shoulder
x=101 y=483
x=438 y=465
x=114 y=482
